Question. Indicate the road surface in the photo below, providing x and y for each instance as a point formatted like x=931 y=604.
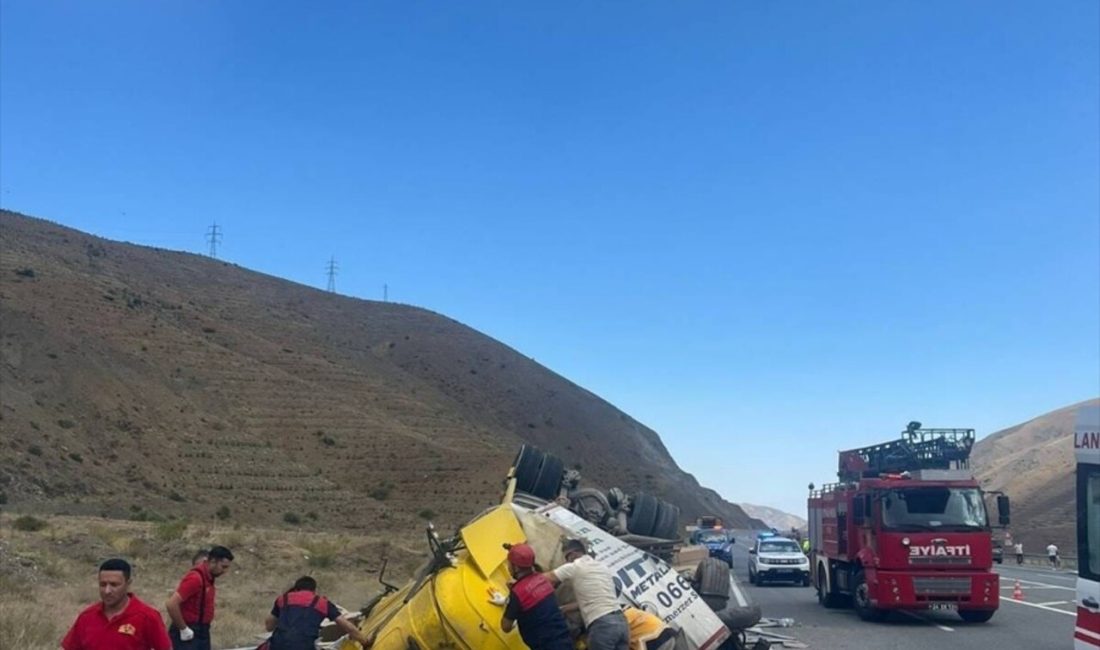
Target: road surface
x=1042 y=621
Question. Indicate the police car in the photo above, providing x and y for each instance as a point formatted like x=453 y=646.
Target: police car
x=774 y=558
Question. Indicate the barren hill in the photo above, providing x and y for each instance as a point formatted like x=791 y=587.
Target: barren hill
x=774 y=518
x=143 y=382
x=1033 y=463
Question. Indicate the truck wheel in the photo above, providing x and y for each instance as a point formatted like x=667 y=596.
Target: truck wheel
x=548 y=483
x=668 y=520
x=527 y=464
x=643 y=515
x=827 y=599
x=976 y=615
x=712 y=581
x=861 y=600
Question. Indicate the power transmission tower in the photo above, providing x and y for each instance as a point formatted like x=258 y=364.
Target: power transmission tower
x=214 y=237
x=385 y=293
x=331 y=269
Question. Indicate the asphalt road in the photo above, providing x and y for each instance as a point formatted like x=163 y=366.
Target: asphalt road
x=1043 y=620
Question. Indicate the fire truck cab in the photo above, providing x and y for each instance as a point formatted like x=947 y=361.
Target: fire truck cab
x=906 y=528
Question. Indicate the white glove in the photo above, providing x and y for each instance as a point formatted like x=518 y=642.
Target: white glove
x=186 y=634
x=497 y=598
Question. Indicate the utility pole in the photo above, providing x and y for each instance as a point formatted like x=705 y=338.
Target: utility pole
x=214 y=237
x=385 y=293
x=331 y=269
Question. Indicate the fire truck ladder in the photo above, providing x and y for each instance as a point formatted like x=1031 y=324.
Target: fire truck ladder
x=916 y=449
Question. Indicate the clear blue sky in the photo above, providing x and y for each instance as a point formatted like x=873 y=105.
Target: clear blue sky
x=768 y=230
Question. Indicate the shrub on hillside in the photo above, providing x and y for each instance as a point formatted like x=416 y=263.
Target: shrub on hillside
x=169 y=530
x=381 y=491
x=222 y=513
x=426 y=513
x=29 y=524
x=291 y=518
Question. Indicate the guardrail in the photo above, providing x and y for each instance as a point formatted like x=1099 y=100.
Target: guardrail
x=1041 y=559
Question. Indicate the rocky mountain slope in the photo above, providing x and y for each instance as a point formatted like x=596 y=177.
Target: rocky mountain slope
x=1033 y=463
x=138 y=382
x=774 y=518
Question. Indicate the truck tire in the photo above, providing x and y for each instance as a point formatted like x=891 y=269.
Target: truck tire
x=668 y=521
x=548 y=483
x=712 y=581
x=643 y=515
x=861 y=600
x=827 y=598
x=976 y=615
x=527 y=464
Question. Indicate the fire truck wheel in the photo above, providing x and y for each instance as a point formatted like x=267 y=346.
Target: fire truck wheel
x=975 y=615
x=827 y=599
x=861 y=600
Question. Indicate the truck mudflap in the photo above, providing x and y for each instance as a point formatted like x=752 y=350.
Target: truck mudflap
x=646 y=582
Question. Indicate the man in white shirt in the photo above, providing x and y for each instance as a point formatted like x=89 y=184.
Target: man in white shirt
x=594 y=589
x=1052 y=555
x=1019 y=553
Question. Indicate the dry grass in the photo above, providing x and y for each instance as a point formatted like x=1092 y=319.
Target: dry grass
x=53 y=570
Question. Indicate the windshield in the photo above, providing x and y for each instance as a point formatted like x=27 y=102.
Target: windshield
x=710 y=538
x=779 y=547
x=933 y=508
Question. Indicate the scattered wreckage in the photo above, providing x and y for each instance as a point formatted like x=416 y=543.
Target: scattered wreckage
x=445 y=604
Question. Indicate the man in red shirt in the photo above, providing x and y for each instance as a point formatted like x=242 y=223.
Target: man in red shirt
x=191 y=607
x=119 y=621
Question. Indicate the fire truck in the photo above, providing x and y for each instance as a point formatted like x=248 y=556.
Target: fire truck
x=906 y=528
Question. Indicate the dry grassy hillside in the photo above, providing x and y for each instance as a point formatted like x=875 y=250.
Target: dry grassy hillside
x=1033 y=463
x=47 y=576
x=142 y=383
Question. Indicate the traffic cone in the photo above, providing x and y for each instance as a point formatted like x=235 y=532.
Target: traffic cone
x=1017 y=592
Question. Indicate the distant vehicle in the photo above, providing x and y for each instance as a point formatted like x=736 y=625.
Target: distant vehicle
x=1086 y=442
x=998 y=552
x=775 y=558
x=906 y=528
x=719 y=543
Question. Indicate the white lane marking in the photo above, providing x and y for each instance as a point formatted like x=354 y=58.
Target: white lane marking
x=1037 y=605
x=1057 y=575
x=925 y=620
x=1055 y=602
x=741 y=600
x=1035 y=585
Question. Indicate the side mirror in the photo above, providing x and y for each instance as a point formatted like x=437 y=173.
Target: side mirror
x=752 y=551
x=1003 y=509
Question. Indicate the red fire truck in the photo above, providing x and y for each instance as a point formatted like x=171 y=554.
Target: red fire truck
x=906 y=528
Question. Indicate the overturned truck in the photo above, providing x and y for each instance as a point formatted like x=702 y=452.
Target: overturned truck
x=445 y=605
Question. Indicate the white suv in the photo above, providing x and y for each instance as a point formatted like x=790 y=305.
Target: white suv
x=778 y=558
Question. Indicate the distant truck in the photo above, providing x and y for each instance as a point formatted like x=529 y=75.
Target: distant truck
x=906 y=528
x=708 y=531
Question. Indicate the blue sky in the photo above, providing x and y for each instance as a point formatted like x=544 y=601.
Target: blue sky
x=768 y=230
